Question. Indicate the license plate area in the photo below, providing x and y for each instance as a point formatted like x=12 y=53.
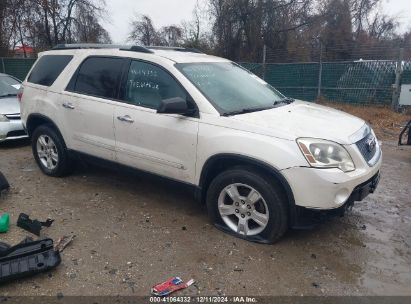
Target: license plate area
x=362 y=191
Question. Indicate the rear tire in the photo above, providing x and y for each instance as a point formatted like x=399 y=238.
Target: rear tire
x=50 y=152
x=248 y=205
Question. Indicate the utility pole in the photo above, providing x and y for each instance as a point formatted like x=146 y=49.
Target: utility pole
x=3 y=66
x=320 y=71
x=264 y=60
x=397 y=85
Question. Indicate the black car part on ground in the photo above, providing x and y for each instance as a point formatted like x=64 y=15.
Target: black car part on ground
x=26 y=259
x=4 y=184
x=33 y=226
x=309 y=218
x=407 y=129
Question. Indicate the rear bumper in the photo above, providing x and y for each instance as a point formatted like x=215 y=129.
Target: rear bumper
x=12 y=129
x=307 y=218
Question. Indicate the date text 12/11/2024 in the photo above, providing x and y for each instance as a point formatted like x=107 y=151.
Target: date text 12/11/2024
x=204 y=299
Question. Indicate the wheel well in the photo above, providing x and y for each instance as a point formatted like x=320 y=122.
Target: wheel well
x=217 y=164
x=36 y=120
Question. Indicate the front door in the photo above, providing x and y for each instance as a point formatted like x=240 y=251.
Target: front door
x=164 y=144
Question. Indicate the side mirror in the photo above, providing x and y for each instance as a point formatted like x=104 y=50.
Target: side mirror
x=176 y=105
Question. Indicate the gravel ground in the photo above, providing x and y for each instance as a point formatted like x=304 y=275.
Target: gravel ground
x=133 y=231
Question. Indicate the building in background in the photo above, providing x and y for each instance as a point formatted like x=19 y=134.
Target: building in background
x=24 y=51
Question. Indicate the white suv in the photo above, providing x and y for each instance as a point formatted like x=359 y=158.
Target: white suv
x=261 y=162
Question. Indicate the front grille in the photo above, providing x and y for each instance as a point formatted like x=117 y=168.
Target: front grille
x=16 y=133
x=13 y=116
x=367 y=146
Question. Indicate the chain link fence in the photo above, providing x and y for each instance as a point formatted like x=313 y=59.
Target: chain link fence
x=357 y=82
x=17 y=67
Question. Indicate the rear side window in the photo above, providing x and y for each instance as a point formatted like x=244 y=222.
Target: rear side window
x=48 y=68
x=99 y=76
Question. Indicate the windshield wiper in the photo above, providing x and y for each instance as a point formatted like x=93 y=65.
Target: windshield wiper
x=8 y=95
x=285 y=100
x=245 y=111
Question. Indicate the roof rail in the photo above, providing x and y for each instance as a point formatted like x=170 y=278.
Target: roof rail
x=77 y=46
x=137 y=48
x=173 y=48
x=132 y=48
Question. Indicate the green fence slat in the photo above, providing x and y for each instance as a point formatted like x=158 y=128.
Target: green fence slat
x=16 y=67
x=358 y=82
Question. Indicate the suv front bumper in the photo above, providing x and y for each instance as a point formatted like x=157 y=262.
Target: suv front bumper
x=12 y=129
x=305 y=218
x=324 y=189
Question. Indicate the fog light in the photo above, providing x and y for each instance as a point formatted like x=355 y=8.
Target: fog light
x=342 y=196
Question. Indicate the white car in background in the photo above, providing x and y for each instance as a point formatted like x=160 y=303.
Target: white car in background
x=260 y=161
x=10 y=121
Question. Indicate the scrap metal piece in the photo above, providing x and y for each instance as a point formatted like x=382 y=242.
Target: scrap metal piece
x=63 y=242
x=27 y=259
x=33 y=226
x=4 y=184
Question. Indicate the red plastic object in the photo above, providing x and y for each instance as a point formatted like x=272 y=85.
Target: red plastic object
x=171 y=285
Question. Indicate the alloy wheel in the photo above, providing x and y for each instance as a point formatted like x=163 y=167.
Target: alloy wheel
x=243 y=209
x=47 y=152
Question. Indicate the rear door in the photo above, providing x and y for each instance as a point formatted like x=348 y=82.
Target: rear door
x=164 y=144
x=88 y=105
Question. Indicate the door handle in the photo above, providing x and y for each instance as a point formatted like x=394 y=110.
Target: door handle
x=68 y=105
x=125 y=118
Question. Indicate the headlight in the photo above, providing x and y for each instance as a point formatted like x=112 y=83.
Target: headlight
x=3 y=118
x=325 y=154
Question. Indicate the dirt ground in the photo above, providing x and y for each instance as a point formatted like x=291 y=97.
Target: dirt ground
x=133 y=231
x=386 y=123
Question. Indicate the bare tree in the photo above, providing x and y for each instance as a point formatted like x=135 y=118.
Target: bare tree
x=88 y=29
x=337 y=34
x=242 y=27
x=171 y=35
x=45 y=23
x=143 y=31
x=3 y=45
x=195 y=31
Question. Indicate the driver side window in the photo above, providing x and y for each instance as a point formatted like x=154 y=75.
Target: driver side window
x=147 y=85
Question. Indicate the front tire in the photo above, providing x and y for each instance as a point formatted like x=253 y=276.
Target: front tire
x=248 y=205
x=50 y=152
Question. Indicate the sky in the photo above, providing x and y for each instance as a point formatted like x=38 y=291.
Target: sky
x=162 y=12
x=165 y=12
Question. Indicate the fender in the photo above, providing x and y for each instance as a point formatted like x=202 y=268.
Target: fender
x=36 y=119
x=241 y=159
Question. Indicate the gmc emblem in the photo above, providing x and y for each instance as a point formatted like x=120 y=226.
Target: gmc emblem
x=371 y=143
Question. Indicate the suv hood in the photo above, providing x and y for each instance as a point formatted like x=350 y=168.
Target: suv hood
x=303 y=119
x=9 y=105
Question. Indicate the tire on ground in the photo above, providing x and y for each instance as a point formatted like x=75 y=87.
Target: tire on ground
x=276 y=202
x=65 y=164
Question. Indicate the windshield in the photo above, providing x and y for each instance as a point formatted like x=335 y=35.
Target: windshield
x=9 y=86
x=230 y=88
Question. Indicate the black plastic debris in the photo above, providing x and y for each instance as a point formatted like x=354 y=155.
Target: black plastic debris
x=4 y=184
x=26 y=259
x=3 y=247
x=33 y=226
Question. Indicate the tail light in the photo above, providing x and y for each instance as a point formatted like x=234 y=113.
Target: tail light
x=20 y=93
